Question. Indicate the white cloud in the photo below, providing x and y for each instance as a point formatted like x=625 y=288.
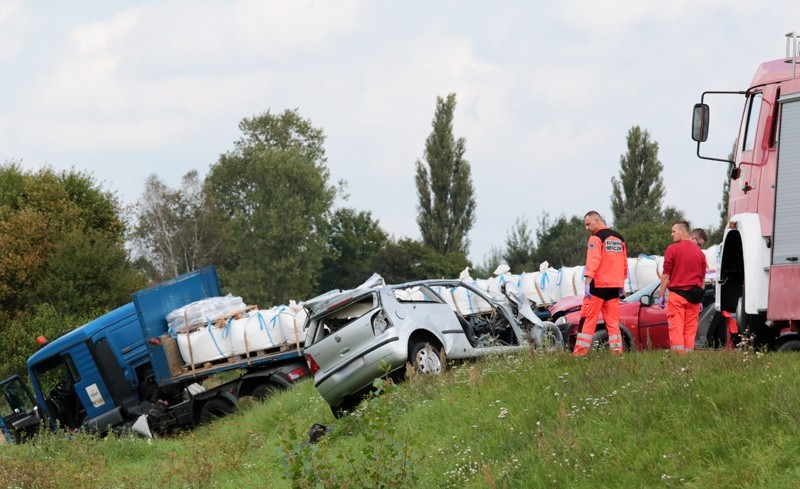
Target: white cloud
x=13 y=27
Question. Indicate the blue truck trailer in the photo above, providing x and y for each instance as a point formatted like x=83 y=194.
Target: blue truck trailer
x=123 y=371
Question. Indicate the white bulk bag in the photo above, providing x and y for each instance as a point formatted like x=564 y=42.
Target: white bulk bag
x=252 y=333
x=648 y=270
x=496 y=283
x=549 y=283
x=578 y=280
x=444 y=293
x=631 y=282
x=204 y=311
x=482 y=284
x=286 y=320
x=566 y=286
x=527 y=285
x=208 y=343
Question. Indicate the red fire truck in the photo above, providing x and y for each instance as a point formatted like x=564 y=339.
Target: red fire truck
x=759 y=266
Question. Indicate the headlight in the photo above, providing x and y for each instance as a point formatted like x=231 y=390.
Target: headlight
x=380 y=323
x=561 y=320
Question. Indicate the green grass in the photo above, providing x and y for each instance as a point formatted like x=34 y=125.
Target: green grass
x=649 y=419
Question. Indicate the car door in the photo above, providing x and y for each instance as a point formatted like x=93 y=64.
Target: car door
x=653 y=329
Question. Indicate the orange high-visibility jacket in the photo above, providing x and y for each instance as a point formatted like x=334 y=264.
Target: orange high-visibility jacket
x=606 y=259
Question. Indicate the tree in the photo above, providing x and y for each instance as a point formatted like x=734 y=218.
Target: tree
x=178 y=230
x=354 y=239
x=446 y=210
x=638 y=193
x=520 y=248
x=273 y=193
x=62 y=249
x=406 y=260
x=490 y=263
x=561 y=243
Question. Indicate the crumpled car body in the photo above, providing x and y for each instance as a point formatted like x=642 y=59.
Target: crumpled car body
x=356 y=336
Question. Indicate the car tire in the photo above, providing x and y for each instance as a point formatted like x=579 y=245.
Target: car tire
x=548 y=338
x=791 y=345
x=426 y=358
x=214 y=408
x=345 y=407
x=262 y=392
x=600 y=341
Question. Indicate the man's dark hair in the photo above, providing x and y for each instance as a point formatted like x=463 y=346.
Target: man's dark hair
x=700 y=234
x=683 y=224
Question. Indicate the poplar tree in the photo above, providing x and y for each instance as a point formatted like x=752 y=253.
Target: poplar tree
x=639 y=191
x=446 y=210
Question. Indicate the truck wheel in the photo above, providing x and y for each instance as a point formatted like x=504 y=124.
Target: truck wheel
x=791 y=345
x=214 y=408
x=262 y=391
x=425 y=358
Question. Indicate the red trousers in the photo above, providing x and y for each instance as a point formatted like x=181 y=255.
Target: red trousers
x=682 y=317
x=733 y=329
x=591 y=312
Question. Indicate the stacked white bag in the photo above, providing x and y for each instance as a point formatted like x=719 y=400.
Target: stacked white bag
x=202 y=312
x=542 y=287
x=571 y=281
x=202 y=336
x=206 y=344
x=261 y=330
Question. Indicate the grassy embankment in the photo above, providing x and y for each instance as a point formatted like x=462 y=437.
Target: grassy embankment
x=650 y=419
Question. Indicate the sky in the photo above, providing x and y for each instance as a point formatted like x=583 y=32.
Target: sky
x=546 y=92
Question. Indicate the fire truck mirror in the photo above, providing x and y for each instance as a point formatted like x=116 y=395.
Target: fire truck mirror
x=700 y=122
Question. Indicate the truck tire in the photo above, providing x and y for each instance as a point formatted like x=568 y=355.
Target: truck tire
x=262 y=392
x=214 y=408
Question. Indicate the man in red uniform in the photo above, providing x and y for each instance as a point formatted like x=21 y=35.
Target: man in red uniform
x=606 y=269
x=684 y=274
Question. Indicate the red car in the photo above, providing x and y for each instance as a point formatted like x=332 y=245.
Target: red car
x=643 y=322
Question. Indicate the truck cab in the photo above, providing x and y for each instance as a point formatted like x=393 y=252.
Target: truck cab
x=89 y=375
x=759 y=266
x=123 y=371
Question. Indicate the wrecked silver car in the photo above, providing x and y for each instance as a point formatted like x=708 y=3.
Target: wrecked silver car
x=358 y=335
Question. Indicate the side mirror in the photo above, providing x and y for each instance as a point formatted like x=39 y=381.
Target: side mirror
x=645 y=300
x=700 y=118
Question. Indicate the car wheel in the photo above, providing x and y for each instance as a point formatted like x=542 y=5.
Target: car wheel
x=425 y=358
x=345 y=407
x=214 y=408
x=600 y=340
x=262 y=391
x=791 y=345
x=548 y=338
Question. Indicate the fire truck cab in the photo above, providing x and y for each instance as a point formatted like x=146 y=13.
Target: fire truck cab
x=759 y=266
